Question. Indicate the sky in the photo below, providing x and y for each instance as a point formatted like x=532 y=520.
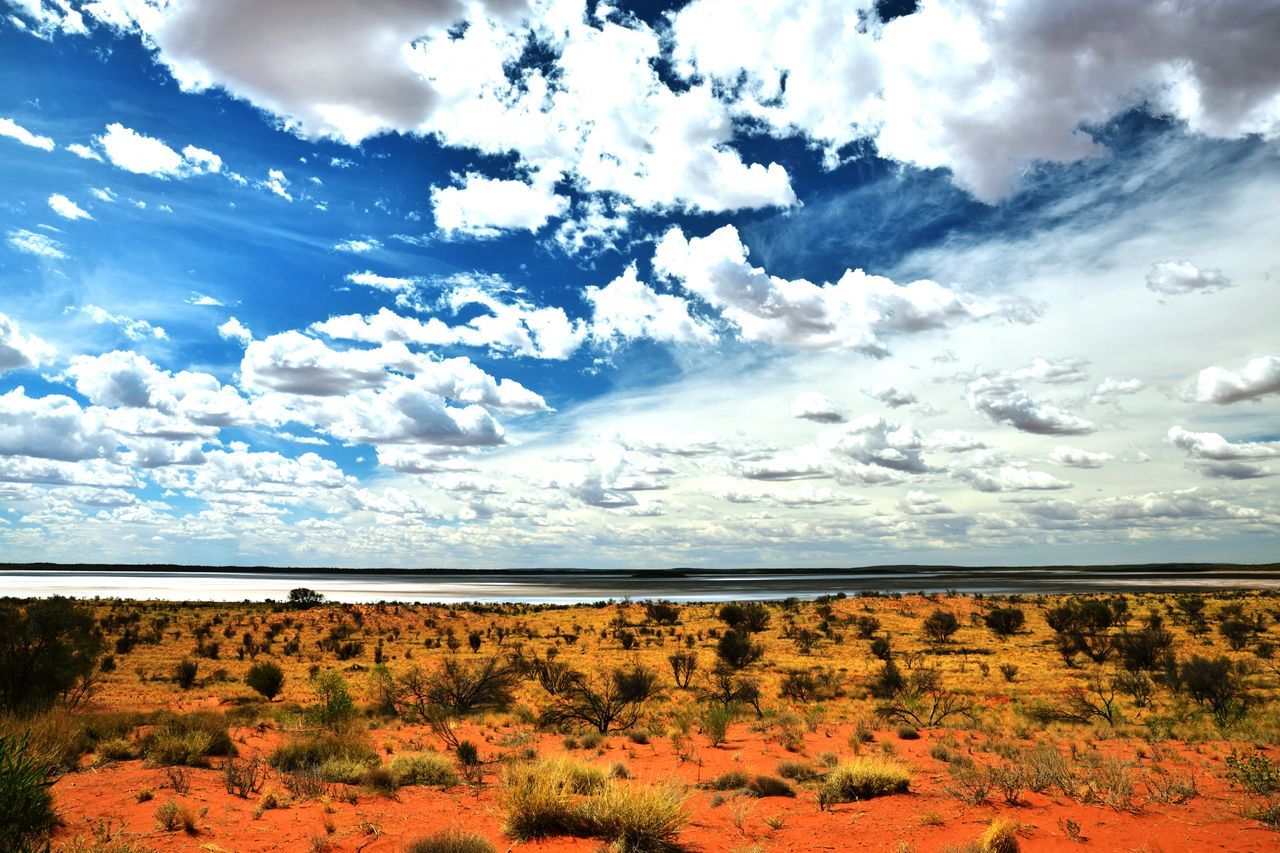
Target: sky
x=718 y=283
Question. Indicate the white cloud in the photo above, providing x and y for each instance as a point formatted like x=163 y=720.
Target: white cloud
x=985 y=90
x=1215 y=456
x=201 y=161
x=889 y=394
x=852 y=313
x=84 y=152
x=276 y=184
x=13 y=130
x=122 y=379
x=357 y=246
x=234 y=330
x=367 y=278
x=1004 y=402
x=32 y=243
x=1074 y=457
x=1053 y=371
x=134 y=330
x=66 y=208
x=517 y=327
x=628 y=309
x=1174 y=278
x=813 y=406
x=52 y=427
x=18 y=351
x=103 y=194
x=1010 y=478
x=918 y=502
x=485 y=207
x=1110 y=388
x=1259 y=378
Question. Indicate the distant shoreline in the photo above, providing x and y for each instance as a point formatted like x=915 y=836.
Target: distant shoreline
x=585 y=586
x=671 y=572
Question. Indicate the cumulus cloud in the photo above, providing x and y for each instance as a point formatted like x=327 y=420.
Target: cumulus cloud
x=1074 y=457
x=486 y=207
x=1108 y=389
x=1004 y=402
x=392 y=284
x=52 y=427
x=919 y=502
x=1215 y=456
x=130 y=380
x=1175 y=278
x=66 y=208
x=985 y=90
x=814 y=406
x=514 y=327
x=18 y=351
x=628 y=309
x=876 y=441
x=852 y=313
x=1259 y=378
x=346 y=73
x=234 y=330
x=889 y=394
x=1009 y=478
x=13 y=130
x=134 y=152
x=33 y=243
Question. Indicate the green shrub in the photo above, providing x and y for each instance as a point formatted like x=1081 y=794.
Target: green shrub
x=185 y=673
x=715 y=723
x=862 y=779
x=188 y=740
x=117 y=749
x=797 y=771
x=428 y=768
x=26 y=806
x=55 y=738
x=172 y=816
x=558 y=796
x=315 y=753
x=731 y=780
x=266 y=678
x=769 y=786
x=450 y=841
x=635 y=818
x=380 y=779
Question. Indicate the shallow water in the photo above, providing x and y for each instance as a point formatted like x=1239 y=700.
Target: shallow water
x=587 y=586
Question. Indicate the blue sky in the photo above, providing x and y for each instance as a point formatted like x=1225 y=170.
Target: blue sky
x=552 y=283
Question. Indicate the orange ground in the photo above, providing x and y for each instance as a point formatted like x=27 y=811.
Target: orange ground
x=103 y=796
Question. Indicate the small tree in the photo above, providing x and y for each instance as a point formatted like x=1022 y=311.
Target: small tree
x=266 y=678
x=683 y=665
x=303 y=598
x=750 y=617
x=335 y=709
x=1214 y=684
x=185 y=673
x=737 y=650
x=940 y=625
x=457 y=686
x=47 y=650
x=474 y=639
x=1004 y=621
x=613 y=700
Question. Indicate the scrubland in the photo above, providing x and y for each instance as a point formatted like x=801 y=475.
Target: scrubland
x=897 y=723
